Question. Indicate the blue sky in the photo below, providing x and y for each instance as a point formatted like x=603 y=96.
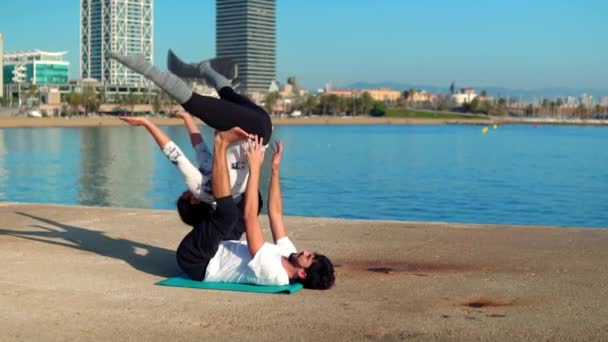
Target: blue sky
x=514 y=43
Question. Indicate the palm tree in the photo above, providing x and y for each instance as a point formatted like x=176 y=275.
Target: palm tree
x=89 y=100
x=559 y=102
x=132 y=100
x=405 y=95
x=486 y=107
x=502 y=106
x=341 y=104
x=333 y=103
x=411 y=93
x=309 y=104
x=270 y=101
x=581 y=111
x=324 y=103
x=545 y=105
x=401 y=102
x=32 y=93
x=156 y=105
x=102 y=96
x=529 y=110
x=366 y=103
x=598 y=110
x=74 y=100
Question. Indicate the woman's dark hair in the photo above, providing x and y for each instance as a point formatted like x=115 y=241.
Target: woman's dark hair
x=320 y=275
x=192 y=214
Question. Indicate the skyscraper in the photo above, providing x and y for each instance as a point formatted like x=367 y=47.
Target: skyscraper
x=121 y=26
x=246 y=32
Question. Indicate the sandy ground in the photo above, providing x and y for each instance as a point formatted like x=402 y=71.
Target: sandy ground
x=81 y=273
x=21 y=121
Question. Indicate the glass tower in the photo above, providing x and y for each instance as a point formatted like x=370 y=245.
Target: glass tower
x=122 y=26
x=36 y=67
x=246 y=32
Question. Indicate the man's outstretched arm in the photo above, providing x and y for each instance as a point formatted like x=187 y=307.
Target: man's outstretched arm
x=253 y=231
x=275 y=201
x=226 y=212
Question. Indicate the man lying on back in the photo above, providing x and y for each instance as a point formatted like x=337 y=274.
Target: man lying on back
x=204 y=255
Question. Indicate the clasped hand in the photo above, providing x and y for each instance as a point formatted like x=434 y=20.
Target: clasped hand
x=255 y=153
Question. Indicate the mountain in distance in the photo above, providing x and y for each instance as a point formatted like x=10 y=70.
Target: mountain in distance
x=521 y=94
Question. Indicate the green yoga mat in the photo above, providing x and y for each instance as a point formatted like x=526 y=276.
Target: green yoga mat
x=183 y=281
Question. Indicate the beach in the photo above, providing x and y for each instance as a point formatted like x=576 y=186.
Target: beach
x=88 y=273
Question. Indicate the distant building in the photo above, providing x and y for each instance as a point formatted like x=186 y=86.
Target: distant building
x=381 y=94
x=571 y=101
x=246 y=33
x=35 y=67
x=422 y=96
x=122 y=26
x=290 y=90
x=587 y=100
x=604 y=101
x=1 y=66
x=341 y=92
x=466 y=95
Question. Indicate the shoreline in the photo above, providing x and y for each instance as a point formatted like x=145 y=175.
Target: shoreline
x=357 y=220
x=109 y=121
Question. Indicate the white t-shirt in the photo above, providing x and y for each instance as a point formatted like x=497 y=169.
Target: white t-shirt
x=233 y=263
x=238 y=166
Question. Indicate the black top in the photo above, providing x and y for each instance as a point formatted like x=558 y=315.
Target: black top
x=201 y=243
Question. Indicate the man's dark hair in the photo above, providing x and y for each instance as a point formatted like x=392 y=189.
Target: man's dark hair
x=320 y=275
x=192 y=214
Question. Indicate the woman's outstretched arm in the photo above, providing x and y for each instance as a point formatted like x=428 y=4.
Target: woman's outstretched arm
x=193 y=130
x=203 y=154
x=193 y=178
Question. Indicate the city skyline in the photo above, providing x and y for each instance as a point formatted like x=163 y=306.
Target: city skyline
x=516 y=45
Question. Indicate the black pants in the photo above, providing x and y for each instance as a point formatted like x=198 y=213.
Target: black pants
x=200 y=245
x=230 y=110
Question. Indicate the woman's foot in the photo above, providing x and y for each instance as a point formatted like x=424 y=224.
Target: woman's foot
x=218 y=72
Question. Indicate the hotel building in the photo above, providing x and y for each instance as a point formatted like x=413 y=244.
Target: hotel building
x=122 y=26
